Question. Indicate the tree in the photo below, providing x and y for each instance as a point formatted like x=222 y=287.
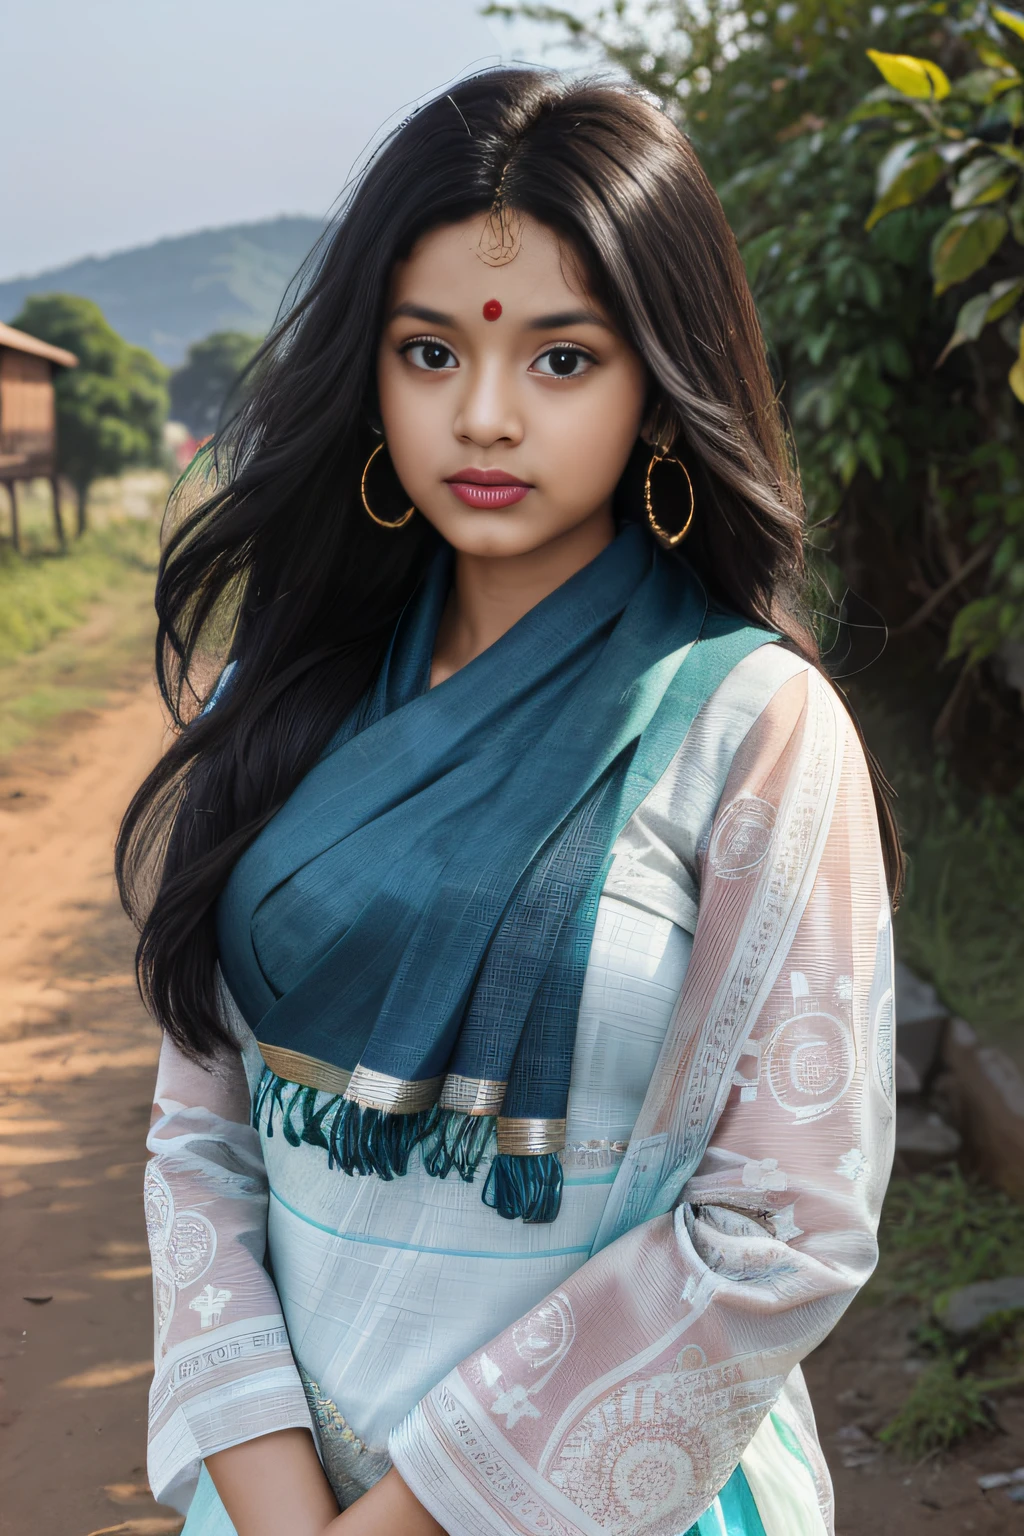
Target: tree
x=205 y=382
x=112 y=407
x=897 y=458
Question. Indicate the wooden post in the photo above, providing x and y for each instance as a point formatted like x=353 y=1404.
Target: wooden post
x=58 y=525
x=12 y=491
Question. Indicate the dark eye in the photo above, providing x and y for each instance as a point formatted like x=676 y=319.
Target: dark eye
x=563 y=362
x=430 y=354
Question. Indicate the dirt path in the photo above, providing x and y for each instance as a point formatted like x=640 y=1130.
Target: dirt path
x=77 y=1054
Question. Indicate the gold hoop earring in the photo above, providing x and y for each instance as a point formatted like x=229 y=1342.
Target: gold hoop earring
x=380 y=521
x=659 y=456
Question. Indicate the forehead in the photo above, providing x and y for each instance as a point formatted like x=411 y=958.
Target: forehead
x=445 y=270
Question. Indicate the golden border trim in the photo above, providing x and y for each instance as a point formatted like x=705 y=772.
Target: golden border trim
x=394 y=1095
x=472 y=1095
x=307 y=1071
x=530 y=1138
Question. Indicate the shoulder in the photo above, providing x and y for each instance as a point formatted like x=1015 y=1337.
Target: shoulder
x=773 y=712
x=656 y=861
x=748 y=689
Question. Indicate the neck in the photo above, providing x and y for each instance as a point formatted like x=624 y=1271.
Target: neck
x=492 y=593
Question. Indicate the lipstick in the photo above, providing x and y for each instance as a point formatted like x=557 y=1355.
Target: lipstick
x=488 y=488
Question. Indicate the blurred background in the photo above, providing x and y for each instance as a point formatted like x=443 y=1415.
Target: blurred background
x=166 y=169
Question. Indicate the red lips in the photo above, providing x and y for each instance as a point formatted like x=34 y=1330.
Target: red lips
x=488 y=487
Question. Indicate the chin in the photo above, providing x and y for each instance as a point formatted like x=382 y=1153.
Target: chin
x=495 y=547
x=488 y=537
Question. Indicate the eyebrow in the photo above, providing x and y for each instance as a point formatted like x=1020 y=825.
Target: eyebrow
x=567 y=317
x=551 y=322
x=420 y=312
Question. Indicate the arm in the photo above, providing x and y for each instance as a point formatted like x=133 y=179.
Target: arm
x=275 y=1484
x=759 y=1162
x=224 y=1368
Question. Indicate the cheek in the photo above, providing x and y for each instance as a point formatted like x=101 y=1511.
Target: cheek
x=591 y=438
x=410 y=414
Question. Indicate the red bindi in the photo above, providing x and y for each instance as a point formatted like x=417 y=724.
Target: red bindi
x=492 y=309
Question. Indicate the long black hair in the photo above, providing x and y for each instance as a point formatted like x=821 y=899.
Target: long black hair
x=272 y=558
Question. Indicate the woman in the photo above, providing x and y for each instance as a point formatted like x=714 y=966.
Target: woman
x=521 y=937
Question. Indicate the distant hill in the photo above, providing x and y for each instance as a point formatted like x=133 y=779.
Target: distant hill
x=166 y=295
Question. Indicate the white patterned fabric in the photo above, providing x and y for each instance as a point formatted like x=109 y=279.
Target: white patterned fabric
x=608 y=1371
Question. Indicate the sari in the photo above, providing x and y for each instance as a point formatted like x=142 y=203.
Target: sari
x=644 y=1376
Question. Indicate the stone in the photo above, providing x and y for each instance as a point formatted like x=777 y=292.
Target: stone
x=923 y=1139
x=963 y=1311
x=856 y=1449
x=1000 y=1479
x=921 y=1019
x=990 y=1098
x=907 y=1080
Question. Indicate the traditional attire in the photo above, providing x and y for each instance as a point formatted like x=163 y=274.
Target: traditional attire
x=563 y=1106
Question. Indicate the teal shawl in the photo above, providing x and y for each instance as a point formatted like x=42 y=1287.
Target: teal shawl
x=408 y=936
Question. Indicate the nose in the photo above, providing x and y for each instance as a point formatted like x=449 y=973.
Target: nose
x=488 y=411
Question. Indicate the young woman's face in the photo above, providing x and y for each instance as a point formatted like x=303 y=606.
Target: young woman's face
x=505 y=432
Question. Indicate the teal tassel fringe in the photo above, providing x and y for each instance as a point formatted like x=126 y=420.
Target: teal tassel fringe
x=355 y=1138
x=454 y=1140
x=361 y=1140
x=528 y=1187
x=269 y=1090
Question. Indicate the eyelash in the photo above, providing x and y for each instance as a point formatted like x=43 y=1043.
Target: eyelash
x=558 y=346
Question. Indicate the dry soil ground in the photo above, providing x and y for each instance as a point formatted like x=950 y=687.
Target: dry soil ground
x=77 y=1055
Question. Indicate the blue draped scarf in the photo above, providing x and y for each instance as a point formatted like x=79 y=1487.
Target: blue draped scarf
x=408 y=936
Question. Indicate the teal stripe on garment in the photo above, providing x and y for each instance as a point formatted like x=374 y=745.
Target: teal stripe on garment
x=733 y=1513
x=790 y=1441
x=455 y=1253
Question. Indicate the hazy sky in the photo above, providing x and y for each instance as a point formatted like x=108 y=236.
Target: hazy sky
x=125 y=120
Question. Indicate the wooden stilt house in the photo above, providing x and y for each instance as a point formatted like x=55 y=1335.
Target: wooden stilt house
x=28 y=417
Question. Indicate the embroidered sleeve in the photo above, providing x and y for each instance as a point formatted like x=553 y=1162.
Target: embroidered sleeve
x=743 y=1220
x=224 y=1368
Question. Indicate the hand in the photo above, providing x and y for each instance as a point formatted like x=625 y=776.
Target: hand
x=389 y=1507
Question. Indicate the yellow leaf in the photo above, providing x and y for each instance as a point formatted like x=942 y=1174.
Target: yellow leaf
x=1012 y=20
x=1016 y=377
x=903 y=178
x=919 y=78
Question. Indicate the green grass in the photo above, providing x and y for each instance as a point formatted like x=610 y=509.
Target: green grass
x=943 y=1409
x=44 y=592
x=941 y=1231
x=961 y=922
x=74 y=625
